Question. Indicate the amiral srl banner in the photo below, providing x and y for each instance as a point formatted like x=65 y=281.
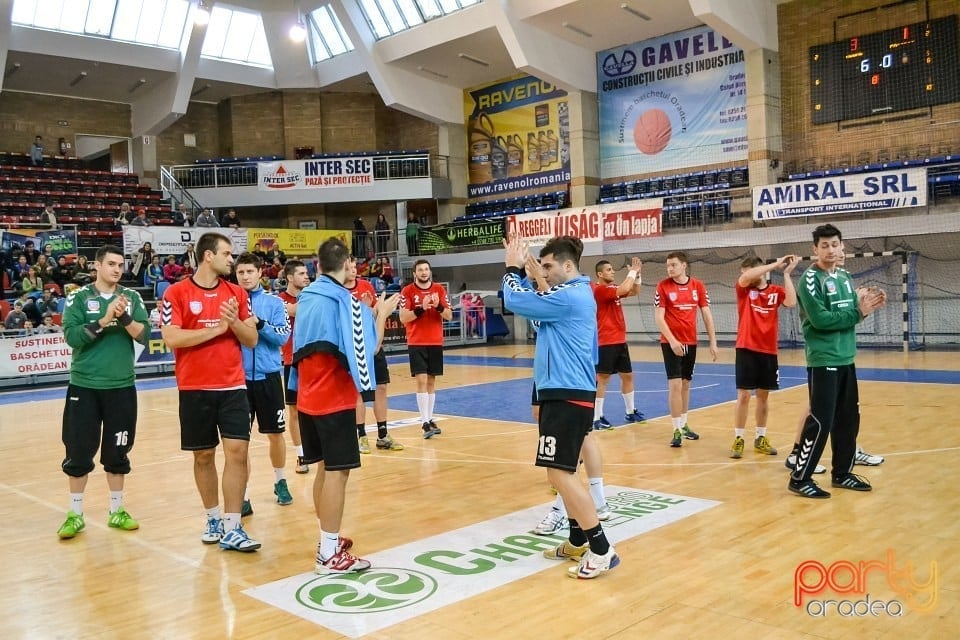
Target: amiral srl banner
x=518 y=137
x=671 y=103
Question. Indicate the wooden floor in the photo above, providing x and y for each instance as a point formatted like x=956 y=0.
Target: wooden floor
x=727 y=572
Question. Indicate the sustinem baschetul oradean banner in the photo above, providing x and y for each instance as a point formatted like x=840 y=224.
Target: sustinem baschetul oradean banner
x=518 y=137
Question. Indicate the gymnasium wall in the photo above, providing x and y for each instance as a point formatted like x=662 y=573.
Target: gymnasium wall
x=811 y=22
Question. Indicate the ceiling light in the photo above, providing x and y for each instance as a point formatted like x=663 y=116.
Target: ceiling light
x=78 y=79
x=432 y=72
x=298 y=32
x=136 y=85
x=633 y=11
x=482 y=63
x=201 y=16
x=576 y=29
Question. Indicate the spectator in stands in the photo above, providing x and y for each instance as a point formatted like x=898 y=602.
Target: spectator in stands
x=413 y=234
x=172 y=272
x=32 y=282
x=48 y=303
x=275 y=253
x=125 y=215
x=36 y=152
x=206 y=219
x=48 y=251
x=43 y=267
x=189 y=258
x=312 y=266
x=382 y=231
x=259 y=252
x=182 y=216
x=141 y=219
x=230 y=219
x=376 y=269
x=49 y=216
x=142 y=260
x=359 y=239
x=155 y=317
x=28 y=328
x=272 y=270
x=20 y=269
x=386 y=269
x=62 y=272
x=16 y=318
x=29 y=252
x=154 y=272
x=48 y=326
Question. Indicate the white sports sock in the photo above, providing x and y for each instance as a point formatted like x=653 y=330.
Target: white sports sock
x=559 y=506
x=213 y=513
x=628 y=402
x=677 y=423
x=116 y=500
x=422 y=406
x=683 y=420
x=231 y=521
x=431 y=401
x=597 y=409
x=761 y=431
x=279 y=474
x=596 y=492
x=739 y=432
x=76 y=503
x=328 y=544
x=300 y=450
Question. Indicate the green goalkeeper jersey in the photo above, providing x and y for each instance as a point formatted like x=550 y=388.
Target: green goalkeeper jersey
x=829 y=313
x=102 y=358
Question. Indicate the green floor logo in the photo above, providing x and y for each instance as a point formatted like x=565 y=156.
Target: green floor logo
x=377 y=590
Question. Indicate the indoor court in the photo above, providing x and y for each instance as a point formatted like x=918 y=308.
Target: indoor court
x=719 y=559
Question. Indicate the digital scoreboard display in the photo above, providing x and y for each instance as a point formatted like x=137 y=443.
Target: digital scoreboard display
x=909 y=67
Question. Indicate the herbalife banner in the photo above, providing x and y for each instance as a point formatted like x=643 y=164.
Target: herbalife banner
x=469 y=234
x=842 y=194
x=314 y=174
x=518 y=136
x=672 y=102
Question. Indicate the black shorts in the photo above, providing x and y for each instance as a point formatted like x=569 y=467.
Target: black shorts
x=331 y=438
x=614 y=358
x=757 y=370
x=427 y=360
x=289 y=395
x=563 y=426
x=266 y=401
x=86 y=410
x=380 y=369
x=206 y=416
x=679 y=366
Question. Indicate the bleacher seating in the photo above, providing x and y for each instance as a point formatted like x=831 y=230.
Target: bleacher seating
x=514 y=206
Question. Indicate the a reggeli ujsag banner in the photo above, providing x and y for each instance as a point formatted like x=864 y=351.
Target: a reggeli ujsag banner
x=673 y=102
x=518 y=137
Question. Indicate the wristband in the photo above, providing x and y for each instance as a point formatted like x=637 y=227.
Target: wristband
x=125 y=319
x=94 y=329
x=440 y=308
x=261 y=323
x=418 y=311
x=633 y=274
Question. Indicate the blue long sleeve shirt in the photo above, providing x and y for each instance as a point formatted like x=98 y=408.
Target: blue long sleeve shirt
x=273 y=333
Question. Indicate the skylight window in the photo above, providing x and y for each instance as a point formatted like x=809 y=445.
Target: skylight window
x=387 y=17
x=327 y=37
x=237 y=36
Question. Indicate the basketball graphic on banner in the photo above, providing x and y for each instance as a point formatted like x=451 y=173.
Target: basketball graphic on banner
x=652 y=131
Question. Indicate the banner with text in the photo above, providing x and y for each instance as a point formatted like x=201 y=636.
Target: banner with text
x=477 y=233
x=174 y=240
x=295 y=242
x=536 y=228
x=62 y=241
x=852 y=193
x=314 y=174
x=633 y=220
x=518 y=136
x=671 y=102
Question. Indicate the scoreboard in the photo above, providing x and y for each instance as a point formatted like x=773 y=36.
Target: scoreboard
x=912 y=66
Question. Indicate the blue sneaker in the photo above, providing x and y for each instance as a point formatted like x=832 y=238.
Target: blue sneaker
x=213 y=532
x=282 y=492
x=602 y=424
x=636 y=417
x=238 y=540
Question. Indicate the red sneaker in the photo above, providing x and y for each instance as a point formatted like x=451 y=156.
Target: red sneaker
x=342 y=562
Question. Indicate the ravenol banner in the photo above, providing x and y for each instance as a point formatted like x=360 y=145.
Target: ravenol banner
x=463 y=234
x=289 y=175
x=673 y=102
x=518 y=136
x=842 y=194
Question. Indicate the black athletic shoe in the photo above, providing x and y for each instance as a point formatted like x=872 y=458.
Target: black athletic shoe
x=852 y=481
x=807 y=489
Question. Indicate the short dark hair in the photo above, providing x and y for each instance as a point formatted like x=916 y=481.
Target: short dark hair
x=248 y=258
x=291 y=267
x=209 y=242
x=826 y=231
x=420 y=262
x=601 y=265
x=751 y=262
x=105 y=249
x=563 y=248
x=679 y=255
x=333 y=253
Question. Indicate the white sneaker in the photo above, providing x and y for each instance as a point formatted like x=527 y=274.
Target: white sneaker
x=213 y=532
x=791 y=463
x=592 y=565
x=553 y=522
x=604 y=512
x=867 y=459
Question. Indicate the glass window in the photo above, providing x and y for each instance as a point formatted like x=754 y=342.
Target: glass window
x=237 y=36
x=327 y=38
x=387 y=17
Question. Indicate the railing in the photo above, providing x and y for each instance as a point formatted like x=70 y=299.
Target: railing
x=178 y=193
